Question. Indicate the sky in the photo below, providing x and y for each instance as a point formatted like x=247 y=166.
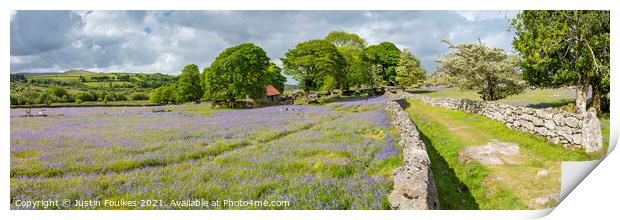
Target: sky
x=166 y=41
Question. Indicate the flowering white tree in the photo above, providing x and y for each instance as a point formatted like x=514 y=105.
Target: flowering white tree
x=488 y=71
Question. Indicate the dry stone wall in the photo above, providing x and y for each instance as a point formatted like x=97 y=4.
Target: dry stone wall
x=414 y=187
x=560 y=127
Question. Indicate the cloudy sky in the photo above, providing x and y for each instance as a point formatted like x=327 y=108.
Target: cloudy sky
x=165 y=41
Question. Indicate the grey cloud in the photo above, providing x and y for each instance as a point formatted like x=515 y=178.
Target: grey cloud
x=35 y=32
x=116 y=40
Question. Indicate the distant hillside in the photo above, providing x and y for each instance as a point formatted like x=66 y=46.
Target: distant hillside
x=78 y=72
x=37 y=74
x=74 y=73
x=290 y=87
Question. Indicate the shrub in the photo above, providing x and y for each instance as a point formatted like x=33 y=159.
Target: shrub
x=139 y=96
x=87 y=96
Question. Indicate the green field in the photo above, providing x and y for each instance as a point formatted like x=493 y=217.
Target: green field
x=107 y=84
x=536 y=98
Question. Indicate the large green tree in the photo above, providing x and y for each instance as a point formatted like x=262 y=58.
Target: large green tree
x=351 y=46
x=311 y=62
x=275 y=77
x=385 y=54
x=409 y=73
x=565 y=48
x=238 y=72
x=488 y=71
x=189 y=84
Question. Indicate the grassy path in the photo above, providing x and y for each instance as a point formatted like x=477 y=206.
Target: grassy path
x=473 y=185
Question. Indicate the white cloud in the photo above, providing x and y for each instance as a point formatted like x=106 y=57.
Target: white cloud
x=473 y=16
x=158 y=41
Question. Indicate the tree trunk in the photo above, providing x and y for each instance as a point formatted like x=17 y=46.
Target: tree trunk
x=583 y=86
x=29 y=111
x=596 y=97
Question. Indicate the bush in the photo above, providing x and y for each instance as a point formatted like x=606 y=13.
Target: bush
x=139 y=96
x=78 y=101
x=67 y=98
x=87 y=96
x=164 y=95
x=120 y=97
x=17 y=99
x=44 y=98
x=57 y=91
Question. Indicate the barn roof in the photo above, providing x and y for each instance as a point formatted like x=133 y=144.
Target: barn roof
x=271 y=91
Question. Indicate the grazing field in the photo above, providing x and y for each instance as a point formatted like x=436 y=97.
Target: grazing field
x=335 y=156
x=526 y=180
x=535 y=98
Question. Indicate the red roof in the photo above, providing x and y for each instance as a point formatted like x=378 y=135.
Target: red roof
x=271 y=91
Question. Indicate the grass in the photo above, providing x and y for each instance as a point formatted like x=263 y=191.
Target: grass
x=476 y=186
x=354 y=108
x=605 y=131
x=330 y=99
x=537 y=98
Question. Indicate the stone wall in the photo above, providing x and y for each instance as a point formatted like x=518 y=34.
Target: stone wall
x=414 y=187
x=560 y=127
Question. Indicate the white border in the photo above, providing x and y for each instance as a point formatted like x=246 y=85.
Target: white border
x=594 y=197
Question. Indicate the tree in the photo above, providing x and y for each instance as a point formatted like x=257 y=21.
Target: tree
x=29 y=96
x=409 y=73
x=275 y=77
x=189 y=84
x=238 y=72
x=164 y=95
x=565 y=48
x=205 y=77
x=311 y=62
x=375 y=78
x=488 y=71
x=385 y=54
x=351 y=47
x=344 y=39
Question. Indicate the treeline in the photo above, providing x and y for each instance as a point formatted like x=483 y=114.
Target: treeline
x=27 y=95
x=139 y=81
x=339 y=62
